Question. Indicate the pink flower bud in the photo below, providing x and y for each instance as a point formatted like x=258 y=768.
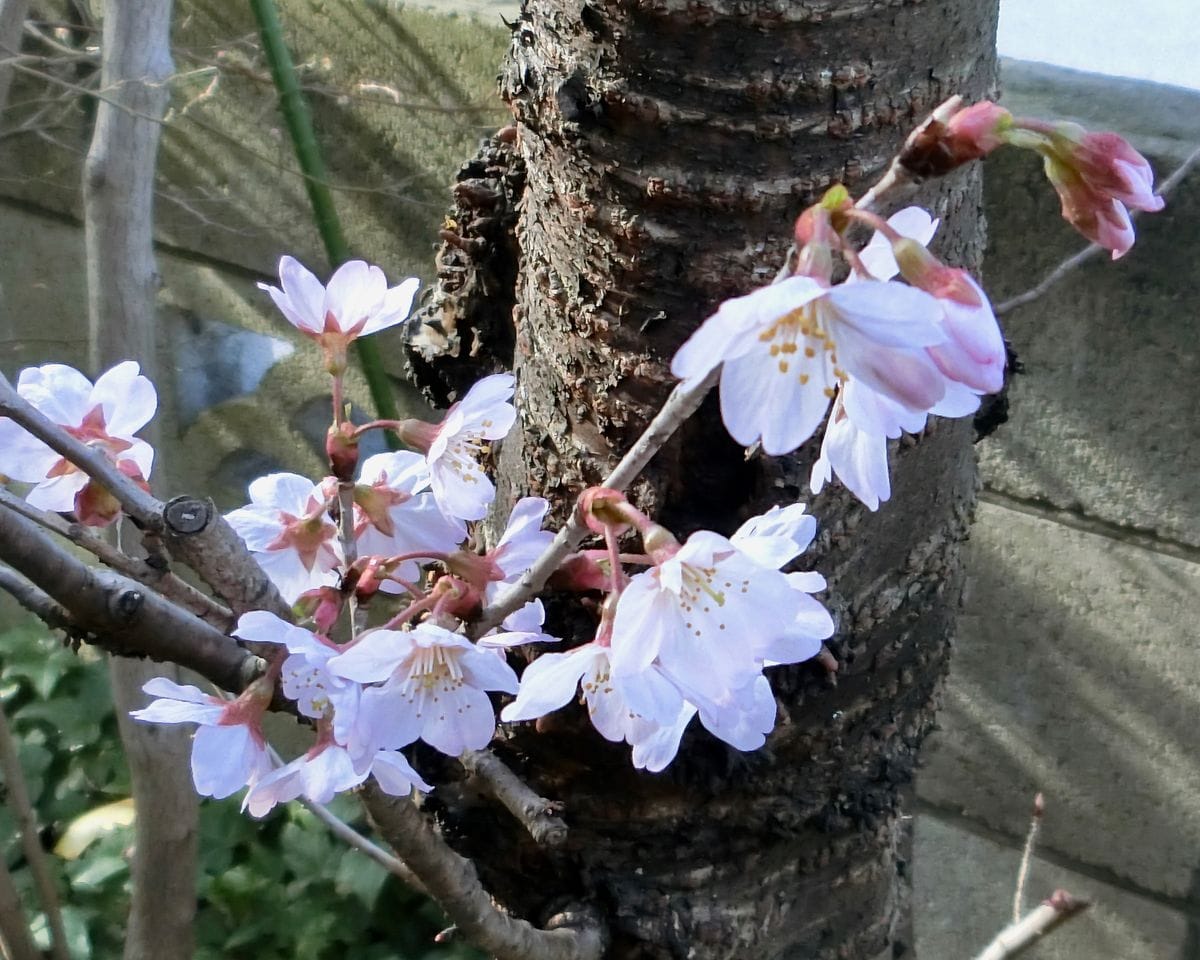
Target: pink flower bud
x=946 y=143
x=1110 y=166
x=341 y=446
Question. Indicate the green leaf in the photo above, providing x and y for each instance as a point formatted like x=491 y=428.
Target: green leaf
x=359 y=876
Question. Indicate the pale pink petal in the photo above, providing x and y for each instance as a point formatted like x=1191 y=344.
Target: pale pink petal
x=395 y=775
x=550 y=682
x=655 y=751
x=888 y=314
x=57 y=494
x=376 y=654
x=129 y=399
x=395 y=308
x=353 y=294
x=224 y=760
x=60 y=392
x=302 y=299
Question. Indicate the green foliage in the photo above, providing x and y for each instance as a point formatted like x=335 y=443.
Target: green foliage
x=278 y=889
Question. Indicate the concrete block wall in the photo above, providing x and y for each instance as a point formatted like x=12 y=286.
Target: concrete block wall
x=1077 y=668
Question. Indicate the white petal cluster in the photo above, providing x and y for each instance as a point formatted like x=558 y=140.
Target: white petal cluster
x=691 y=636
x=884 y=353
x=105 y=416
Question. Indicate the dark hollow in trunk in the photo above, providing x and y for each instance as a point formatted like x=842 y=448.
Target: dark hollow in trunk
x=667 y=147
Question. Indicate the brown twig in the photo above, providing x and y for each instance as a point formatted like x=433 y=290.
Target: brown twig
x=122 y=615
x=22 y=808
x=1016 y=938
x=452 y=881
x=1077 y=260
x=536 y=814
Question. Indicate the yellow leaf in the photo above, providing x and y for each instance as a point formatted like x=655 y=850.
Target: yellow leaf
x=89 y=827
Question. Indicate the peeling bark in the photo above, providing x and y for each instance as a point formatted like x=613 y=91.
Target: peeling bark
x=667 y=146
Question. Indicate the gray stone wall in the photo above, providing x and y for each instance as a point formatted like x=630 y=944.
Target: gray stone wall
x=1078 y=665
x=1077 y=670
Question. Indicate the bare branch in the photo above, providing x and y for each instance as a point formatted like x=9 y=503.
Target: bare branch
x=152 y=575
x=536 y=814
x=1035 y=824
x=1016 y=938
x=1077 y=260
x=352 y=838
x=31 y=846
x=452 y=881
x=192 y=528
x=35 y=600
x=12 y=25
x=120 y=614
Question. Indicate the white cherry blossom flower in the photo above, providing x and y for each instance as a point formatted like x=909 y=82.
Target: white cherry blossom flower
x=785 y=348
x=434 y=690
x=355 y=303
x=305 y=677
x=287 y=527
x=395 y=513
x=709 y=616
x=229 y=750
x=452 y=448
x=105 y=416
x=328 y=769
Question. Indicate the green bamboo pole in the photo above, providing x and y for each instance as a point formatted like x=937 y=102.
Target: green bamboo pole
x=308 y=153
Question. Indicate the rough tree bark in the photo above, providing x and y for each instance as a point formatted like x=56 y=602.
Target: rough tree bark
x=118 y=193
x=667 y=146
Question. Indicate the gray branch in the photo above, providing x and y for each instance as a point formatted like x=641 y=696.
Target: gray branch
x=120 y=614
x=536 y=814
x=452 y=881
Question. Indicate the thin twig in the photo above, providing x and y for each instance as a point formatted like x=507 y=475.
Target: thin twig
x=352 y=838
x=15 y=939
x=120 y=614
x=1016 y=938
x=27 y=826
x=35 y=600
x=453 y=883
x=684 y=400
x=164 y=581
x=536 y=814
x=1077 y=260
x=1035 y=824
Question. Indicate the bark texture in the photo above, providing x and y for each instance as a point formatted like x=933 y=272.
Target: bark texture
x=118 y=195
x=667 y=147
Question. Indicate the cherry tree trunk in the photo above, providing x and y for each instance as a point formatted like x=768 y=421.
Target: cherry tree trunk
x=667 y=147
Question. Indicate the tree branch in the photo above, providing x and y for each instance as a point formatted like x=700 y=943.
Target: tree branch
x=191 y=527
x=1077 y=260
x=27 y=827
x=164 y=581
x=119 y=614
x=452 y=881
x=35 y=600
x=536 y=814
x=1016 y=938
x=352 y=838
x=684 y=400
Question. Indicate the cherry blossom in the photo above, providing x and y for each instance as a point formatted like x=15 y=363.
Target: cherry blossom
x=306 y=678
x=328 y=769
x=434 y=690
x=355 y=303
x=229 y=750
x=453 y=447
x=287 y=527
x=105 y=416
x=1097 y=176
x=396 y=514
x=709 y=616
x=786 y=347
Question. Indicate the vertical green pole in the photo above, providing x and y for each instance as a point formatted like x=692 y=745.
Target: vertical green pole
x=299 y=123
